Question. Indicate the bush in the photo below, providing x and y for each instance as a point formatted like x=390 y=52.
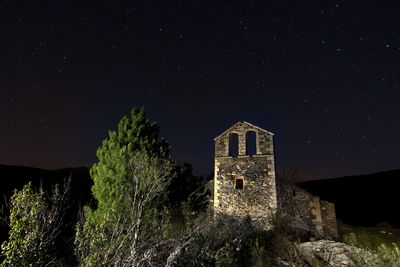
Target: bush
x=225 y=256
x=350 y=239
x=382 y=254
x=35 y=224
x=230 y=241
x=389 y=255
x=257 y=254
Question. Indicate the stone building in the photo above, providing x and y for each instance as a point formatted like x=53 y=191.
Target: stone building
x=245 y=184
x=307 y=214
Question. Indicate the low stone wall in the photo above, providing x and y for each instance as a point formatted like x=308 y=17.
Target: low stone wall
x=294 y=204
x=329 y=221
x=305 y=212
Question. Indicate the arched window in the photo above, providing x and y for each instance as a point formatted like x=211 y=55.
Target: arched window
x=233 y=145
x=251 y=143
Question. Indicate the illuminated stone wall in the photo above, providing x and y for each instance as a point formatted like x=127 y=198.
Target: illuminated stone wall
x=257 y=198
x=245 y=185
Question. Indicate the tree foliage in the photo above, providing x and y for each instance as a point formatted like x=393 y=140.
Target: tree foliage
x=142 y=198
x=130 y=181
x=111 y=174
x=187 y=194
x=125 y=240
x=35 y=224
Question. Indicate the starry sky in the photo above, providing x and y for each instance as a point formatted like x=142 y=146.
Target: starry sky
x=324 y=76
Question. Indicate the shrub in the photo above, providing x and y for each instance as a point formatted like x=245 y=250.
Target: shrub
x=389 y=255
x=225 y=256
x=257 y=254
x=380 y=254
x=35 y=224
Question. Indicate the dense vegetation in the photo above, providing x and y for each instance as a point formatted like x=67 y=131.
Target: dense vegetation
x=149 y=211
x=35 y=225
x=383 y=241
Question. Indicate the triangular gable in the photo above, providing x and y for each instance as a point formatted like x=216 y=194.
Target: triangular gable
x=248 y=123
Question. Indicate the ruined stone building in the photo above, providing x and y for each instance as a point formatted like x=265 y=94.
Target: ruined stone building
x=245 y=184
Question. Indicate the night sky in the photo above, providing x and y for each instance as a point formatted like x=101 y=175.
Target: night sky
x=324 y=77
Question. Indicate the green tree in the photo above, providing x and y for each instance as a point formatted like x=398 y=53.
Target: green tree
x=130 y=181
x=35 y=224
x=141 y=196
x=127 y=238
x=111 y=175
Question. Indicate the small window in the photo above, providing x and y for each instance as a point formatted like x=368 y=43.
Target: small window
x=239 y=183
x=233 y=145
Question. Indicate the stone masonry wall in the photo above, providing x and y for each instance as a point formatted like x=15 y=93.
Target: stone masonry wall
x=260 y=196
x=329 y=222
x=257 y=199
x=317 y=221
x=306 y=213
x=294 y=203
x=264 y=140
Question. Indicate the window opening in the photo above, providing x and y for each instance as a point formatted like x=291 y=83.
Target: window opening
x=233 y=145
x=251 y=143
x=239 y=183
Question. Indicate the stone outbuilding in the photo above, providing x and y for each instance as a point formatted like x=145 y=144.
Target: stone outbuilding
x=245 y=184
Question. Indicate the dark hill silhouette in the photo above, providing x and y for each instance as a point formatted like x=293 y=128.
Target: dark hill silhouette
x=362 y=200
x=15 y=177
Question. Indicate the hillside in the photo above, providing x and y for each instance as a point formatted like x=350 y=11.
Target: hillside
x=362 y=200
x=12 y=177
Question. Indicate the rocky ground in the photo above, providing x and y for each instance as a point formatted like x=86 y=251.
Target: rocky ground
x=334 y=254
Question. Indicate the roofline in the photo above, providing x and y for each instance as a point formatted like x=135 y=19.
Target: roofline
x=248 y=123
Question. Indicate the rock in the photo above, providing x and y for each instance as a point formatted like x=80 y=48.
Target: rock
x=323 y=253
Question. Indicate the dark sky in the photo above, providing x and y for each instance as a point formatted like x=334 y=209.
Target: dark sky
x=324 y=76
